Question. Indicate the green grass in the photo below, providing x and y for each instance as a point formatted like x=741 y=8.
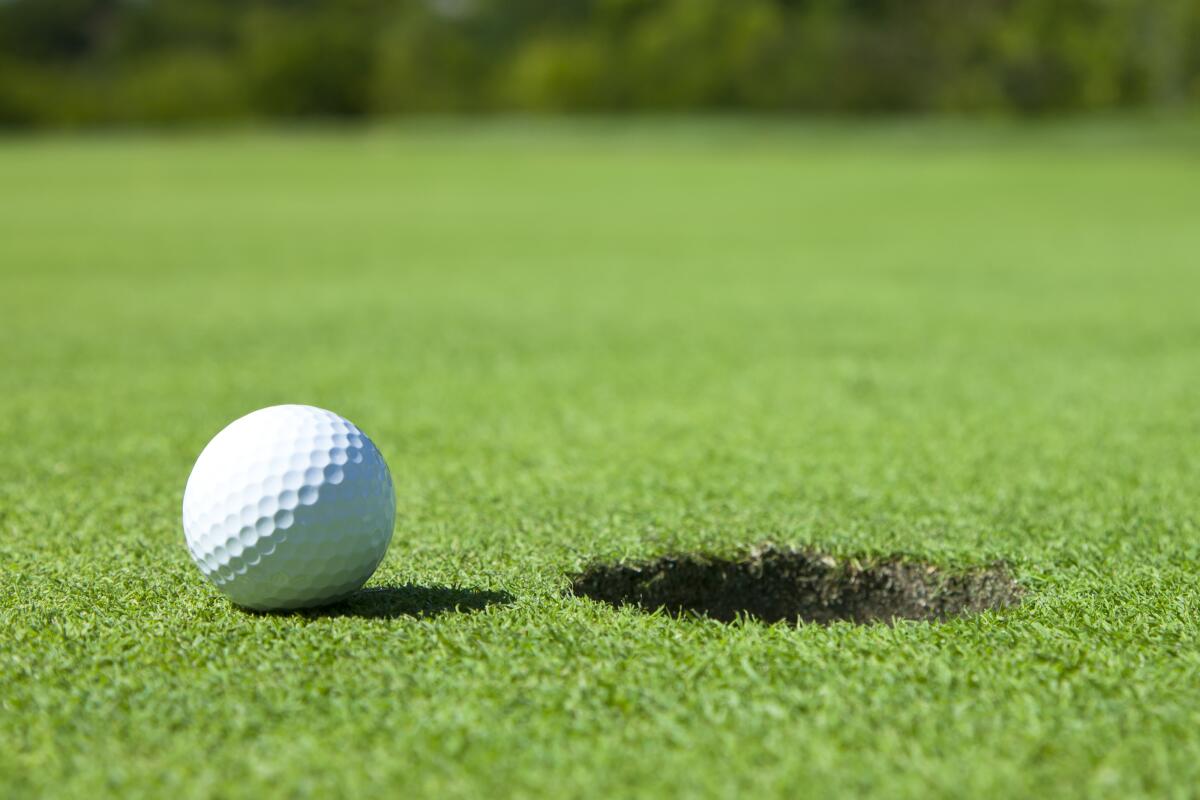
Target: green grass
x=592 y=341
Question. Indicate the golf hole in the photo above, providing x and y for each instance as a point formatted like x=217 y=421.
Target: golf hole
x=782 y=585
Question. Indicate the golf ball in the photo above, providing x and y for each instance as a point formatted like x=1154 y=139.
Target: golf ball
x=289 y=507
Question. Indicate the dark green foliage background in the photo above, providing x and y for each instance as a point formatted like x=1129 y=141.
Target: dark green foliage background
x=103 y=61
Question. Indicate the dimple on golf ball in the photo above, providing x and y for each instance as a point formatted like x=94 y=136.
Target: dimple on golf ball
x=289 y=507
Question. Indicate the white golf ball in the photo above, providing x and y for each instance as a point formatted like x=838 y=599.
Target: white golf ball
x=289 y=507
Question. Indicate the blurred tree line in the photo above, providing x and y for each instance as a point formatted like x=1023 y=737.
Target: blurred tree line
x=66 y=62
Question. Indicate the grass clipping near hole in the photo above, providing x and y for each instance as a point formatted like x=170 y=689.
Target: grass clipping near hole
x=774 y=585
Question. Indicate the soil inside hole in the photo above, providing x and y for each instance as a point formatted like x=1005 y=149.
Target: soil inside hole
x=774 y=584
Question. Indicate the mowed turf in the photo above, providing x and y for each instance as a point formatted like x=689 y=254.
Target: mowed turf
x=595 y=341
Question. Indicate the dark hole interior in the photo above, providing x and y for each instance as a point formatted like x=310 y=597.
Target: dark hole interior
x=773 y=585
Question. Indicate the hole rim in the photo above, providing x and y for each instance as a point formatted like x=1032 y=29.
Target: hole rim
x=772 y=584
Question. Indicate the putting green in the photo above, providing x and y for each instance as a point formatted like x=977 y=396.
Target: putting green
x=580 y=342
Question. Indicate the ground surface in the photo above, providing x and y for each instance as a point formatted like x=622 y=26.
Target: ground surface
x=588 y=342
